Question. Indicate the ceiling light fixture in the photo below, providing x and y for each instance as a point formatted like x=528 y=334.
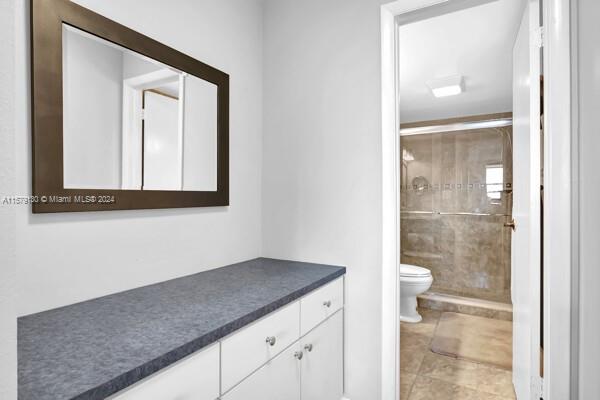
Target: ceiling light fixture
x=449 y=86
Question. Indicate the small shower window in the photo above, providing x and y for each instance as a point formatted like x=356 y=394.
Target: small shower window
x=494 y=179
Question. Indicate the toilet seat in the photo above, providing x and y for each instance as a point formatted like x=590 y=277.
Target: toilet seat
x=412 y=271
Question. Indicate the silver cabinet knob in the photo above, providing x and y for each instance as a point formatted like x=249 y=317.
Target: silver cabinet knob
x=308 y=347
x=271 y=340
x=327 y=303
x=299 y=355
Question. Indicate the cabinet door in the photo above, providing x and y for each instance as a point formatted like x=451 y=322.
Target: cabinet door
x=322 y=364
x=193 y=378
x=278 y=379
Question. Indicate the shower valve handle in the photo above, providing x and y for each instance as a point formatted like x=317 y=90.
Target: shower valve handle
x=512 y=224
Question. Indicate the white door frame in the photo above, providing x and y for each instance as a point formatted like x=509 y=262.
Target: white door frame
x=559 y=216
x=560 y=239
x=133 y=88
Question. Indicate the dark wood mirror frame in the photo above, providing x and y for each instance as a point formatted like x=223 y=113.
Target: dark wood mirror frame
x=47 y=17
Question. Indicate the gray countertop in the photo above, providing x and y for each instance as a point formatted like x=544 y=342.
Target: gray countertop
x=93 y=349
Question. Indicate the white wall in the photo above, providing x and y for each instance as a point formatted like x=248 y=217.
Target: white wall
x=8 y=323
x=475 y=43
x=93 y=114
x=589 y=103
x=135 y=64
x=322 y=158
x=65 y=258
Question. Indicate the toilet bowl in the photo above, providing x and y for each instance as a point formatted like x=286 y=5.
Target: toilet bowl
x=413 y=281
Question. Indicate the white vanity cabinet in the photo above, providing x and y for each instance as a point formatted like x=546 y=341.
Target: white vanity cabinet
x=196 y=377
x=310 y=367
x=293 y=353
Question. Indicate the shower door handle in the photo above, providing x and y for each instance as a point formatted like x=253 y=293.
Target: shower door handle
x=512 y=224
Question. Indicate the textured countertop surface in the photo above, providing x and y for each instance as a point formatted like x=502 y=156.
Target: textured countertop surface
x=93 y=349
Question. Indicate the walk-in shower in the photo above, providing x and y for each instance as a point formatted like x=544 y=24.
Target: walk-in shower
x=456 y=202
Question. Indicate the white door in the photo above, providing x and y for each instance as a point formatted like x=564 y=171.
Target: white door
x=526 y=268
x=279 y=379
x=162 y=143
x=322 y=365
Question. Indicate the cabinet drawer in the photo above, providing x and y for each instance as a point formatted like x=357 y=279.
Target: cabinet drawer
x=321 y=304
x=278 y=379
x=193 y=378
x=245 y=351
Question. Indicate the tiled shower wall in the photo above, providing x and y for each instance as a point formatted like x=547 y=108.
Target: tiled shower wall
x=456 y=195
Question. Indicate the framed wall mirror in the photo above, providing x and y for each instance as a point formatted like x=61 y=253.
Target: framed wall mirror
x=121 y=121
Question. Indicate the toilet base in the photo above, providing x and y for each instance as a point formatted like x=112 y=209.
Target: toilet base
x=408 y=310
x=411 y=320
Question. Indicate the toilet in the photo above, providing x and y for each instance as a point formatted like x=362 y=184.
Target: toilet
x=413 y=281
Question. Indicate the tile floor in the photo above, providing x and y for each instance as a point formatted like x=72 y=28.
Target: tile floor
x=429 y=376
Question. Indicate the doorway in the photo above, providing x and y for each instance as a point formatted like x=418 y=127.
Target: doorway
x=161 y=147
x=393 y=17
x=459 y=77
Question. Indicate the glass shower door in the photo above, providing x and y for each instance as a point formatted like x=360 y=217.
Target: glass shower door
x=455 y=199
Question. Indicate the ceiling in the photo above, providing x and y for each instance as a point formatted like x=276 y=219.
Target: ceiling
x=476 y=43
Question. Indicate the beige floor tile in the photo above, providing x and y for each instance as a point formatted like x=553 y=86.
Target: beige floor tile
x=430 y=316
x=411 y=361
x=413 y=347
x=406 y=383
x=480 y=377
x=429 y=376
x=426 y=388
x=425 y=327
x=415 y=340
x=421 y=329
x=412 y=339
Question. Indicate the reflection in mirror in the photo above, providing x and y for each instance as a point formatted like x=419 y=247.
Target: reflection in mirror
x=130 y=122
